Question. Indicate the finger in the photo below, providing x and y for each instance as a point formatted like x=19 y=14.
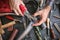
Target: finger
x=16 y=12
x=19 y=11
x=10 y=3
x=40 y=22
x=36 y=14
x=16 y=8
x=12 y=7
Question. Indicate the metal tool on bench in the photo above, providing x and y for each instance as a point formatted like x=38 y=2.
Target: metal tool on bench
x=57 y=27
x=5 y=26
x=48 y=29
x=29 y=27
x=52 y=34
x=38 y=33
x=24 y=23
x=56 y=16
x=8 y=24
x=48 y=26
x=11 y=18
x=32 y=19
x=13 y=35
x=3 y=14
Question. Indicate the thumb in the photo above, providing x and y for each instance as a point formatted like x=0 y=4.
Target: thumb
x=19 y=11
x=37 y=13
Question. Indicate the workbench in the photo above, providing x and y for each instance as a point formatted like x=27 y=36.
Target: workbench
x=32 y=35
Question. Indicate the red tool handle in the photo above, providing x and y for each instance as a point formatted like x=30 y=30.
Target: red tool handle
x=52 y=34
x=13 y=35
x=9 y=17
x=22 y=8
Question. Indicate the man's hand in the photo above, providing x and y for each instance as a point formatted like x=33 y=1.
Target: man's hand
x=43 y=14
x=15 y=6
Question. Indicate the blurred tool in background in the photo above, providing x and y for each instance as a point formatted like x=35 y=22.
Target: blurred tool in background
x=3 y=14
x=56 y=16
x=57 y=27
x=8 y=24
x=52 y=33
x=11 y=18
x=48 y=29
x=38 y=33
x=13 y=35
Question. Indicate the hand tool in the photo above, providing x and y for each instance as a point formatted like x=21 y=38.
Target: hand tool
x=11 y=18
x=47 y=37
x=26 y=13
x=1 y=30
x=41 y=3
x=3 y=14
x=24 y=23
x=56 y=16
x=48 y=26
x=29 y=27
x=57 y=27
x=13 y=35
x=52 y=34
x=50 y=30
x=38 y=33
x=8 y=24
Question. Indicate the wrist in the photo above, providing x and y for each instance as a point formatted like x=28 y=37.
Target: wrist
x=48 y=8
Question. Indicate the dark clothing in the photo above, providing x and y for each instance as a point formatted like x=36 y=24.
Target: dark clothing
x=4 y=6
